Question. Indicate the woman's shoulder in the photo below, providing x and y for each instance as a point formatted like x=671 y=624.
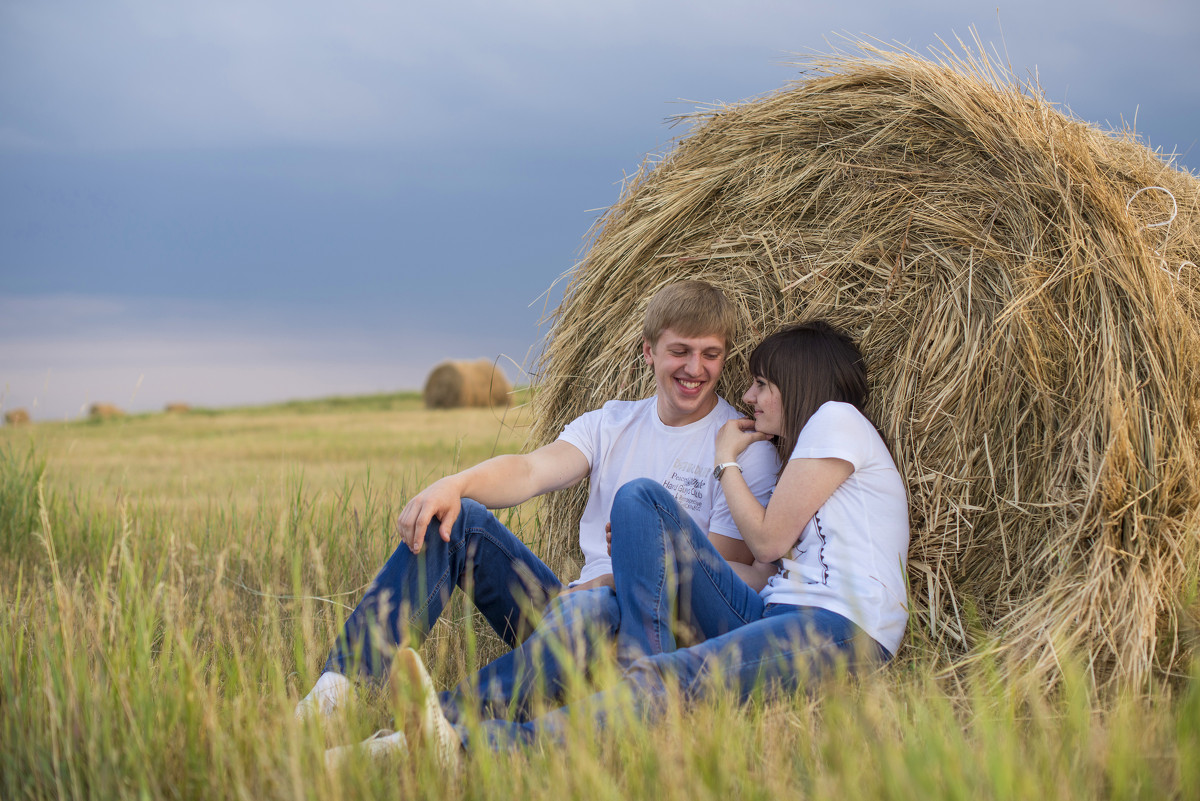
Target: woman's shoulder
x=836 y=414
x=839 y=429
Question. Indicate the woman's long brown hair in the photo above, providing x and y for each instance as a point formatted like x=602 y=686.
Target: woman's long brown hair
x=811 y=363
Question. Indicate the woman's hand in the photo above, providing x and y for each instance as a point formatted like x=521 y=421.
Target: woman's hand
x=734 y=437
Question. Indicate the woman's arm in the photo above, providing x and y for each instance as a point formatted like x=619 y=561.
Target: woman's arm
x=755 y=575
x=804 y=486
x=741 y=560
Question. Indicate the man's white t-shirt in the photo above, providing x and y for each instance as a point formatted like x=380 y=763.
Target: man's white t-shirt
x=850 y=558
x=624 y=440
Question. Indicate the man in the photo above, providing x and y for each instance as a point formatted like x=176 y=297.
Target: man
x=448 y=538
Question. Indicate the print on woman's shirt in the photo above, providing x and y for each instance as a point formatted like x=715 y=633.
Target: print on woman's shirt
x=687 y=483
x=797 y=558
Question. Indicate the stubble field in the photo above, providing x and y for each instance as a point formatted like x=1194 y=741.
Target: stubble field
x=171 y=583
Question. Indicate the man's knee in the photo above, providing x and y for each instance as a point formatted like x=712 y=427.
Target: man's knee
x=472 y=517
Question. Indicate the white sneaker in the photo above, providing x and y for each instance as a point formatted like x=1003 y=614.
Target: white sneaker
x=383 y=746
x=327 y=696
x=426 y=721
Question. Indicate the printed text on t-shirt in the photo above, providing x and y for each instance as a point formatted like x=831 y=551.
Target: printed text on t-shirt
x=687 y=483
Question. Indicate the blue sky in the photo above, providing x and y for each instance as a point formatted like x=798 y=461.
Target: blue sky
x=228 y=202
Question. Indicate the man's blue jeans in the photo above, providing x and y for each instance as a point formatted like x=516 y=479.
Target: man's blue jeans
x=508 y=584
x=564 y=647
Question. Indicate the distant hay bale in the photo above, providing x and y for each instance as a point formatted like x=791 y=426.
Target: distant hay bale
x=16 y=417
x=104 y=411
x=460 y=383
x=1029 y=316
x=178 y=407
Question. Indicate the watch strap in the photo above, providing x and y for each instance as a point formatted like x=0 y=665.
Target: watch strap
x=721 y=468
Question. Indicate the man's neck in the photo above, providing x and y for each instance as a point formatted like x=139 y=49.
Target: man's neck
x=675 y=419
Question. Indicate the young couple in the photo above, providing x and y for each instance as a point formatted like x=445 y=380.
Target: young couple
x=769 y=593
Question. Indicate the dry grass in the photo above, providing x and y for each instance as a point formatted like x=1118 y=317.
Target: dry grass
x=181 y=463
x=1030 y=326
x=159 y=620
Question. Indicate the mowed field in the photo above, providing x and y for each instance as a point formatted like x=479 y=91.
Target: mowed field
x=171 y=584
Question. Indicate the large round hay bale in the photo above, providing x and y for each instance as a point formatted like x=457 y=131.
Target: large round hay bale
x=1029 y=322
x=466 y=383
x=17 y=417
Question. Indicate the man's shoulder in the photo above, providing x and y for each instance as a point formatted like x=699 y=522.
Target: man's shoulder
x=616 y=411
x=613 y=414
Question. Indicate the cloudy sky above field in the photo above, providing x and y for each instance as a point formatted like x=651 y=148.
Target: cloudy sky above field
x=231 y=201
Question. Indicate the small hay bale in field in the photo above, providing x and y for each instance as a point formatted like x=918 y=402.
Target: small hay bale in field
x=104 y=411
x=465 y=383
x=16 y=417
x=178 y=407
x=1031 y=330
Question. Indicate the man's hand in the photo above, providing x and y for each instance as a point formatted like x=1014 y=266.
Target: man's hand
x=441 y=499
x=599 y=581
x=608 y=537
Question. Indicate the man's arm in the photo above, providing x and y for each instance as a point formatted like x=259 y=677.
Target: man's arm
x=499 y=482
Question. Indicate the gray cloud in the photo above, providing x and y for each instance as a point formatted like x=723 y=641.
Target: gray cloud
x=397 y=183
x=221 y=73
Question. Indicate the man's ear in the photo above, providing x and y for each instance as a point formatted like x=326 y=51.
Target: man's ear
x=647 y=351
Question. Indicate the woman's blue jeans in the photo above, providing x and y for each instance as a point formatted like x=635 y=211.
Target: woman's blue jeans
x=789 y=649
x=669 y=578
x=667 y=574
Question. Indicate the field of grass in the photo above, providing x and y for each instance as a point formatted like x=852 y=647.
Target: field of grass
x=171 y=584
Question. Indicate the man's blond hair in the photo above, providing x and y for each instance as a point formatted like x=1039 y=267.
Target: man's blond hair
x=691 y=308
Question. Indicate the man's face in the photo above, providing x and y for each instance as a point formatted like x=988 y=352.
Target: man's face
x=686 y=370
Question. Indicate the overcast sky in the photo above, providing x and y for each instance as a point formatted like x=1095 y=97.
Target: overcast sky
x=230 y=201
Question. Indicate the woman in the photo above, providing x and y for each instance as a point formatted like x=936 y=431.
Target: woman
x=830 y=545
x=829 y=549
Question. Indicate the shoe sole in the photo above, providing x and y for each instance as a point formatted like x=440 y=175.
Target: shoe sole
x=421 y=718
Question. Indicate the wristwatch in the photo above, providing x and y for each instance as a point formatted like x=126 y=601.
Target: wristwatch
x=719 y=469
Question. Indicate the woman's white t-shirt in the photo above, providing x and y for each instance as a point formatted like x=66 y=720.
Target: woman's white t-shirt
x=851 y=556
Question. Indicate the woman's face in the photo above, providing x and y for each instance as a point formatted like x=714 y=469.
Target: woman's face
x=763 y=398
